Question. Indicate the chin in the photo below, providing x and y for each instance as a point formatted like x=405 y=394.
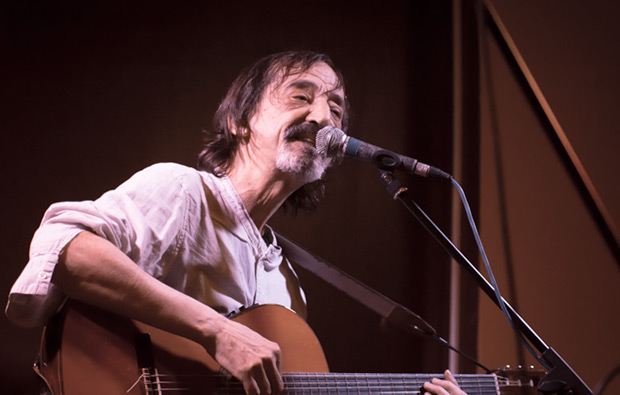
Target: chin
x=303 y=162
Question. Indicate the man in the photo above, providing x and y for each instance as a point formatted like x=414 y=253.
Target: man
x=181 y=249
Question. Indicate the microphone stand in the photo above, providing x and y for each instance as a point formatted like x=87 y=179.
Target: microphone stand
x=561 y=379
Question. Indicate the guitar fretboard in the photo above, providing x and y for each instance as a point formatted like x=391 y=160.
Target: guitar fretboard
x=326 y=383
x=372 y=383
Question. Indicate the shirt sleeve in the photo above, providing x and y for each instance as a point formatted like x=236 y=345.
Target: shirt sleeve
x=145 y=217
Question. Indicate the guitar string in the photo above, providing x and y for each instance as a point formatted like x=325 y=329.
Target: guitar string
x=301 y=378
x=326 y=389
x=387 y=381
x=330 y=386
x=352 y=390
x=346 y=382
x=365 y=376
x=320 y=391
x=489 y=390
x=338 y=389
x=391 y=384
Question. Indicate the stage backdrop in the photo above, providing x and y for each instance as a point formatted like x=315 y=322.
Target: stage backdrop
x=549 y=255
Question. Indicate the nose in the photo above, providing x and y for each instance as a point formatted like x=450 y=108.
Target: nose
x=319 y=113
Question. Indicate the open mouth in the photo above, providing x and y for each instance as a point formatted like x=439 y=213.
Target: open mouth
x=305 y=132
x=308 y=139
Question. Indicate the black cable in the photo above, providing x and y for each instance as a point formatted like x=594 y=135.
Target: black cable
x=471 y=359
x=483 y=255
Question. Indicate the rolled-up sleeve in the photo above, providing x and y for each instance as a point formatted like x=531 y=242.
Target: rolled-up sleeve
x=145 y=218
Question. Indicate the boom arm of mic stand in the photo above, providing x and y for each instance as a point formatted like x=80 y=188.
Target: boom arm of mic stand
x=561 y=378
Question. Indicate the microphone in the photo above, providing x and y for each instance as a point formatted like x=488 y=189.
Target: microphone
x=333 y=142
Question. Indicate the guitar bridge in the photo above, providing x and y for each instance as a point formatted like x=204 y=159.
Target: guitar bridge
x=146 y=365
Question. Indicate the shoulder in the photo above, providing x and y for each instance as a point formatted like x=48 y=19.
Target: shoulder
x=165 y=175
x=163 y=181
x=172 y=179
x=169 y=169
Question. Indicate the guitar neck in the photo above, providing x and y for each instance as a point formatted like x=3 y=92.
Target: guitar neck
x=384 y=383
x=326 y=383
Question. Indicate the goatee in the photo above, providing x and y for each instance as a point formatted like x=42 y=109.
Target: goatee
x=299 y=156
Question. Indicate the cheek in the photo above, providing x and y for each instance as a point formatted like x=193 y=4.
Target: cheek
x=265 y=122
x=256 y=122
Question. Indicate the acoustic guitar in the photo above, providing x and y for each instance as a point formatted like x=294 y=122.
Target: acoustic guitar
x=85 y=350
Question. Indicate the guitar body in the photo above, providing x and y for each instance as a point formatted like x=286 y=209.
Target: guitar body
x=85 y=350
x=89 y=351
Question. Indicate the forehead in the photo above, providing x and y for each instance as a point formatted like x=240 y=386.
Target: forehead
x=319 y=76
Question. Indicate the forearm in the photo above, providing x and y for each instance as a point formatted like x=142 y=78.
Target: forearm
x=94 y=271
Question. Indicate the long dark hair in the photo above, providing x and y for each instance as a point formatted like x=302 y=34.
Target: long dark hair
x=240 y=104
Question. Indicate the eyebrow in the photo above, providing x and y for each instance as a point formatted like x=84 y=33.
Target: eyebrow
x=302 y=84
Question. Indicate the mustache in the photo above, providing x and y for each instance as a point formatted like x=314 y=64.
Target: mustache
x=301 y=131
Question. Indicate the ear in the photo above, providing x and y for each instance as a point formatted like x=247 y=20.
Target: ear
x=232 y=126
x=237 y=131
x=240 y=132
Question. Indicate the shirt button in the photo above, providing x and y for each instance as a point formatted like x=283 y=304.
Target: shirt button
x=43 y=275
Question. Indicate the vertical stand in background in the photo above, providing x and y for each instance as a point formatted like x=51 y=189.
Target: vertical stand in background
x=561 y=378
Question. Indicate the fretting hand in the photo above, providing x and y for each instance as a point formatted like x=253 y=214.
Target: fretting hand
x=449 y=386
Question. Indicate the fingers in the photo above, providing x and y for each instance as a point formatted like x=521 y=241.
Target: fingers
x=434 y=388
x=449 y=386
x=450 y=377
x=254 y=360
x=264 y=377
x=273 y=370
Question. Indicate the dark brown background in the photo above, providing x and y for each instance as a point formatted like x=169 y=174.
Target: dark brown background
x=93 y=93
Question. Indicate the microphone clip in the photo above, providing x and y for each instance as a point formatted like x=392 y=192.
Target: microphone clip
x=392 y=184
x=386 y=160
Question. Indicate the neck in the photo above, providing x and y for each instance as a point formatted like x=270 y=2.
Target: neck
x=262 y=190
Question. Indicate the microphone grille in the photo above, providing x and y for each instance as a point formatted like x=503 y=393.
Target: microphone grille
x=329 y=141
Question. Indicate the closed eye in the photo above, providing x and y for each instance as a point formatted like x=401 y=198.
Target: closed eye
x=337 y=112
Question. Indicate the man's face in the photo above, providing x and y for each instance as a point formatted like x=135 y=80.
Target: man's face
x=290 y=113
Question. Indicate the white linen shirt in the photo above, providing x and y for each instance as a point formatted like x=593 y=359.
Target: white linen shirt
x=185 y=227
